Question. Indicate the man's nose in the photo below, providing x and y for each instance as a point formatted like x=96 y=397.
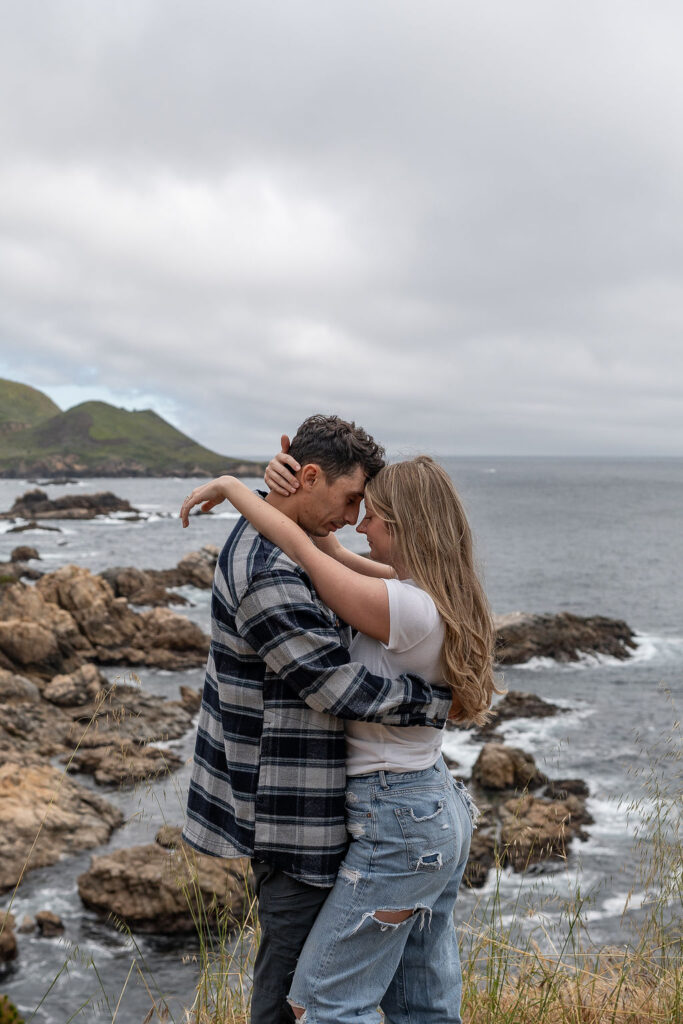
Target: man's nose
x=351 y=514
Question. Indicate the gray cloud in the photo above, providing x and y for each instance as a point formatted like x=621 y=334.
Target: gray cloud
x=458 y=224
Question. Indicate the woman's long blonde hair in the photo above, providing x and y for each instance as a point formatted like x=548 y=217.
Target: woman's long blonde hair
x=433 y=543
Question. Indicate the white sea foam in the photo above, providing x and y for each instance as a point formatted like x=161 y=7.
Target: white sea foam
x=462 y=746
x=618 y=903
x=618 y=816
x=648 y=648
x=543 y=734
x=124 y=519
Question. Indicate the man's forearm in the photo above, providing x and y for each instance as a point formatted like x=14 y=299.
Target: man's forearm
x=352 y=692
x=301 y=646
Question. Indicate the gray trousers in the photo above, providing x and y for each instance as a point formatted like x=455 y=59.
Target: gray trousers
x=287 y=909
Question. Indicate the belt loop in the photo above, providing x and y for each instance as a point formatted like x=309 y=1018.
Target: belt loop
x=383 y=779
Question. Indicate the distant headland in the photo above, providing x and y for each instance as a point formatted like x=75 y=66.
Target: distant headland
x=93 y=439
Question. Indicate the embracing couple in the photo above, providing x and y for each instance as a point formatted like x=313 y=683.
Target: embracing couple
x=328 y=685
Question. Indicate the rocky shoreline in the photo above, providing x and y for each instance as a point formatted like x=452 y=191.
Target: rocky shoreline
x=60 y=628
x=34 y=505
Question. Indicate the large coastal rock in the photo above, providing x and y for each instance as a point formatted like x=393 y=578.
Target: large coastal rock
x=563 y=637
x=71 y=616
x=517 y=827
x=148 y=586
x=499 y=767
x=44 y=816
x=124 y=764
x=36 y=505
x=138 y=586
x=75 y=689
x=157 y=888
x=534 y=830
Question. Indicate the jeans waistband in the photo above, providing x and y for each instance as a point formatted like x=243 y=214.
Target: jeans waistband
x=386 y=779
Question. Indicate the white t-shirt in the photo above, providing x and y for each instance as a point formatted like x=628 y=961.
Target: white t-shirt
x=416 y=634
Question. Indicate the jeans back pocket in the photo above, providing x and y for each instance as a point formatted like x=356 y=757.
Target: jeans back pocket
x=428 y=831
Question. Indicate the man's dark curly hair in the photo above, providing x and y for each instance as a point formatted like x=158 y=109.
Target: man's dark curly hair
x=336 y=446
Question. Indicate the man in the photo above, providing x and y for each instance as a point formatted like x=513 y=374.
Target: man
x=269 y=770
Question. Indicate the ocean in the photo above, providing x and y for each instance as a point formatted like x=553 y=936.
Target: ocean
x=590 y=536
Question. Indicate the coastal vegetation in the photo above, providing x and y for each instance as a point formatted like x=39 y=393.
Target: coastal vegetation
x=98 y=439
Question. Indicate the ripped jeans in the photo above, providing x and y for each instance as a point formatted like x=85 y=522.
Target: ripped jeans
x=410 y=837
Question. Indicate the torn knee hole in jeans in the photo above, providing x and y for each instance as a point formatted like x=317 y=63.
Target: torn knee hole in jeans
x=390 y=919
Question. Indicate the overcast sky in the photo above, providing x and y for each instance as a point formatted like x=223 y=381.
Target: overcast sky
x=459 y=224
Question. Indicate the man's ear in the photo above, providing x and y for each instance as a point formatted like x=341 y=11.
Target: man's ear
x=310 y=474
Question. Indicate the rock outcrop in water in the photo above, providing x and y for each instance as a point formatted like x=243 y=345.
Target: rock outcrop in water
x=44 y=816
x=562 y=637
x=148 y=586
x=36 y=505
x=18 y=568
x=519 y=827
x=8 y=941
x=71 y=616
x=158 y=887
x=516 y=704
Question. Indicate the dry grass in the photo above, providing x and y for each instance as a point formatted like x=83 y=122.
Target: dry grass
x=506 y=979
x=509 y=980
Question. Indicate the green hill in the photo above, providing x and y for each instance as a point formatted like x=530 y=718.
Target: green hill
x=97 y=439
x=22 y=406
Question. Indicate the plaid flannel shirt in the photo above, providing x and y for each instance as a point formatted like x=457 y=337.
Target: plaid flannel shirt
x=269 y=768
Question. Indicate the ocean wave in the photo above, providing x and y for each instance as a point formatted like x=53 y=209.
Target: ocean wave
x=652 y=647
x=648 y=648
x=630 y=816
x=125 y=519
x=534 y=734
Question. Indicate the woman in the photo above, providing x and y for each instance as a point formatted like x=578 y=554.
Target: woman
x=385 y=934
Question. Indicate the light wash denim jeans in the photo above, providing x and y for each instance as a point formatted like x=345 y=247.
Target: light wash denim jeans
x=410 y=838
